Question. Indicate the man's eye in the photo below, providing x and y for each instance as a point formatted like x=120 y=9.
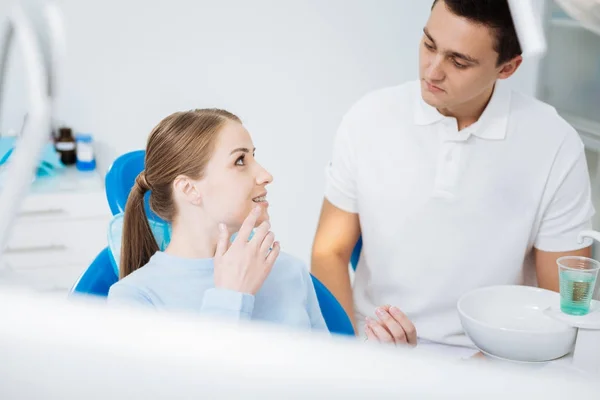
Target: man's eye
x=459 y=65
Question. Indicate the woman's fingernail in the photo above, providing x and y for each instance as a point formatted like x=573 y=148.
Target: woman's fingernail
x=257 y=210
x=222 y=227
x=395 y=310
x=380 y=312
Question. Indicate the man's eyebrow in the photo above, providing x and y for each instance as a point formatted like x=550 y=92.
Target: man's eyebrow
x=454 y=54
x=426 y=32
x=464 y=57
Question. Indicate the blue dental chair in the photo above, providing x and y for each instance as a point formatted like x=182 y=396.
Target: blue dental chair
x=98 y=277
x=119 y=180
x=356 y=253
x=101 y=274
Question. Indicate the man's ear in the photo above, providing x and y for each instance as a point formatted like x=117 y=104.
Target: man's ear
x=510 y=67
x=186 y=188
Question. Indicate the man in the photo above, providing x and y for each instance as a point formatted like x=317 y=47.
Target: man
x=454 y=182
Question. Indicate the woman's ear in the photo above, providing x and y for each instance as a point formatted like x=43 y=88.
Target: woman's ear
x=187 y=189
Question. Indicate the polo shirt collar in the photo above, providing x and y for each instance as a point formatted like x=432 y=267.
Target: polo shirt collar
x=493 y=123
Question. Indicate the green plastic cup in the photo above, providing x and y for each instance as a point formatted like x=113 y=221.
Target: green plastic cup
x=577 y=278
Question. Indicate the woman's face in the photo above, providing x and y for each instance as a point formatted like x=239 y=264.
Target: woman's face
x=234 y=182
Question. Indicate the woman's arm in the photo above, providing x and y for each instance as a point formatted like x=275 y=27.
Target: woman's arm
x=123 y=294
x=216 y=301
x=227 y=303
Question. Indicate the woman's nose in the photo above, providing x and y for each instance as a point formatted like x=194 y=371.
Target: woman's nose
x=263 y=177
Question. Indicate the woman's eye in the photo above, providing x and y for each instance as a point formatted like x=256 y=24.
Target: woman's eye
x=240 y=161
x=428 y=46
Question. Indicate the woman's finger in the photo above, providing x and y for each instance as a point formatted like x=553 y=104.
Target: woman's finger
x=267 y=244
x=272 y=257
x=248 y=224
x=260 y=233
x=223 y=241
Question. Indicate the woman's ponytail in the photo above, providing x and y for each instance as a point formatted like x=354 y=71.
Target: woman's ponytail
x=138 y=243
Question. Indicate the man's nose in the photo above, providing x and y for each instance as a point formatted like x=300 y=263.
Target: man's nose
x=435 y=72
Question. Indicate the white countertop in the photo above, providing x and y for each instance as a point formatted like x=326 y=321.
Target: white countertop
x=69 y=179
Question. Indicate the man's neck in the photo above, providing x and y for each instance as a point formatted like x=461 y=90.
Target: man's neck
x=468 y=113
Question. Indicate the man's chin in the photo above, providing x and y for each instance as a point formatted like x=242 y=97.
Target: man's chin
x=430 y=99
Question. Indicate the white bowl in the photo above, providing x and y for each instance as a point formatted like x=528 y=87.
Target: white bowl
x=510 y=322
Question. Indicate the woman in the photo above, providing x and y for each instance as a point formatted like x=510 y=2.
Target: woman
x=205 y=181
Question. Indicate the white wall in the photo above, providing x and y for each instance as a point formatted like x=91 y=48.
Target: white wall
x=289 y=69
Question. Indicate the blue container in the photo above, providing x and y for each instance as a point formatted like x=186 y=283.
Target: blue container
x=86 y=161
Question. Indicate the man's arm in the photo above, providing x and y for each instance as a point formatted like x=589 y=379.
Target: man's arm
x=547 y=269
x=337 y=234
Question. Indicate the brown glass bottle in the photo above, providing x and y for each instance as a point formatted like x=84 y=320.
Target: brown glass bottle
x=65 y=146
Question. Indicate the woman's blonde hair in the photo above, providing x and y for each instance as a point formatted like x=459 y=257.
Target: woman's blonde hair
x=181 y=144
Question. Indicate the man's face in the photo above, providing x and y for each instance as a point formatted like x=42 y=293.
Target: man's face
x=457 y=60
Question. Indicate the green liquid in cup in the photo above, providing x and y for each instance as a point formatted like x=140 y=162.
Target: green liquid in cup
x=576 y=289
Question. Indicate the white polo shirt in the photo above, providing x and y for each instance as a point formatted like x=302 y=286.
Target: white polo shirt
x=444 y=211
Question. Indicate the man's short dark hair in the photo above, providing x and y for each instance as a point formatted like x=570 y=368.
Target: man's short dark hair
x=494 y=14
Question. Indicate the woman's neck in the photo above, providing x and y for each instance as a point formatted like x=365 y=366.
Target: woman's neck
x=189 y=240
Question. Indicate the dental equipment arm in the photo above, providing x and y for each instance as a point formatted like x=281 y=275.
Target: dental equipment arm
x=529 y=27
x=588 y=234
x=37 y=27
x=585 y=11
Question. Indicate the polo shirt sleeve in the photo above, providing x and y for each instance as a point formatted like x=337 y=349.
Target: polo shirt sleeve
x=341 y=172
x=567 y=205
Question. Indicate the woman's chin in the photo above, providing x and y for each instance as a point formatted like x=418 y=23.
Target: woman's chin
x=263 y=217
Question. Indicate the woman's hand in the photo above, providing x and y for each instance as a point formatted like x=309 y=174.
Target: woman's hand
x=244 y=265
x=393 y=327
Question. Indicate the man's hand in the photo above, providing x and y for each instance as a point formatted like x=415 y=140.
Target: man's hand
x=393 y=326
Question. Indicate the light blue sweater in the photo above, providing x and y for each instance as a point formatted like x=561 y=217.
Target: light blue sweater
x=287 y=296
